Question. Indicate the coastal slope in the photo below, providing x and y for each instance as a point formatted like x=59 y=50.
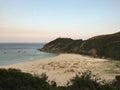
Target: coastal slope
x=105 y=46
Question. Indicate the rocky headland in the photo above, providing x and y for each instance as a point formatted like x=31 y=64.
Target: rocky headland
x=103 y=46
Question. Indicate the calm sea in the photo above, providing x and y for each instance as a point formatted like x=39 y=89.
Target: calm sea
x=11 y=53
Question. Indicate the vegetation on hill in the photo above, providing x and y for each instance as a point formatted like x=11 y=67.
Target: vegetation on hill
x=105 y=46
x=13 y=79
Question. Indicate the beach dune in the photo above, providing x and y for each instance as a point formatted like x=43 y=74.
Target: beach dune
x=64 y=67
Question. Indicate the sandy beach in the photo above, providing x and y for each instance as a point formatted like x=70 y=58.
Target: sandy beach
x=63 y=67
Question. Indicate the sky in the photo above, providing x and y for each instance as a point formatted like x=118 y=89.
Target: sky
x=46 y=20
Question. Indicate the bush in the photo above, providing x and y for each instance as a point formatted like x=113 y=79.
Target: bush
x=13 y=79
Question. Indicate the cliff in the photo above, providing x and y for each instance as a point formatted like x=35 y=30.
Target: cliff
x=107 y=46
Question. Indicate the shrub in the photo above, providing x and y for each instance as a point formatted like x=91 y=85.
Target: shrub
x=13 y=79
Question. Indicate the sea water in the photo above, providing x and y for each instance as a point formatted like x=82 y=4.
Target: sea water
x=11 y=53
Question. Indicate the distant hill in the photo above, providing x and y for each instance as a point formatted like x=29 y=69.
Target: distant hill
x=105 y=46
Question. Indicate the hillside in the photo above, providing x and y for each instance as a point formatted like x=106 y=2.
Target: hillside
x=105 y=46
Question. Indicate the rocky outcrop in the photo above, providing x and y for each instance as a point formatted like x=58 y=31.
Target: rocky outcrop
x=107 y=46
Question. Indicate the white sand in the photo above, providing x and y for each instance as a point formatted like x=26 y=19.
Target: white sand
x=65 y=66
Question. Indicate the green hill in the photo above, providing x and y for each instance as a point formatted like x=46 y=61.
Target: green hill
x=106 y=46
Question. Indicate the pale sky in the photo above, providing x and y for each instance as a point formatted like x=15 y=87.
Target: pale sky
x=45 y=20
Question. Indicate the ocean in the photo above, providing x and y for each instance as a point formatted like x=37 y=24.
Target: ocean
x=11 y=53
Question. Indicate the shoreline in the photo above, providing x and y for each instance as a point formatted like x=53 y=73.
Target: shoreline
x=63 y=67
x=20 y=60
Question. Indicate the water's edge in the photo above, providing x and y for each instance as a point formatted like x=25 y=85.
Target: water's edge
x=12 y=53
